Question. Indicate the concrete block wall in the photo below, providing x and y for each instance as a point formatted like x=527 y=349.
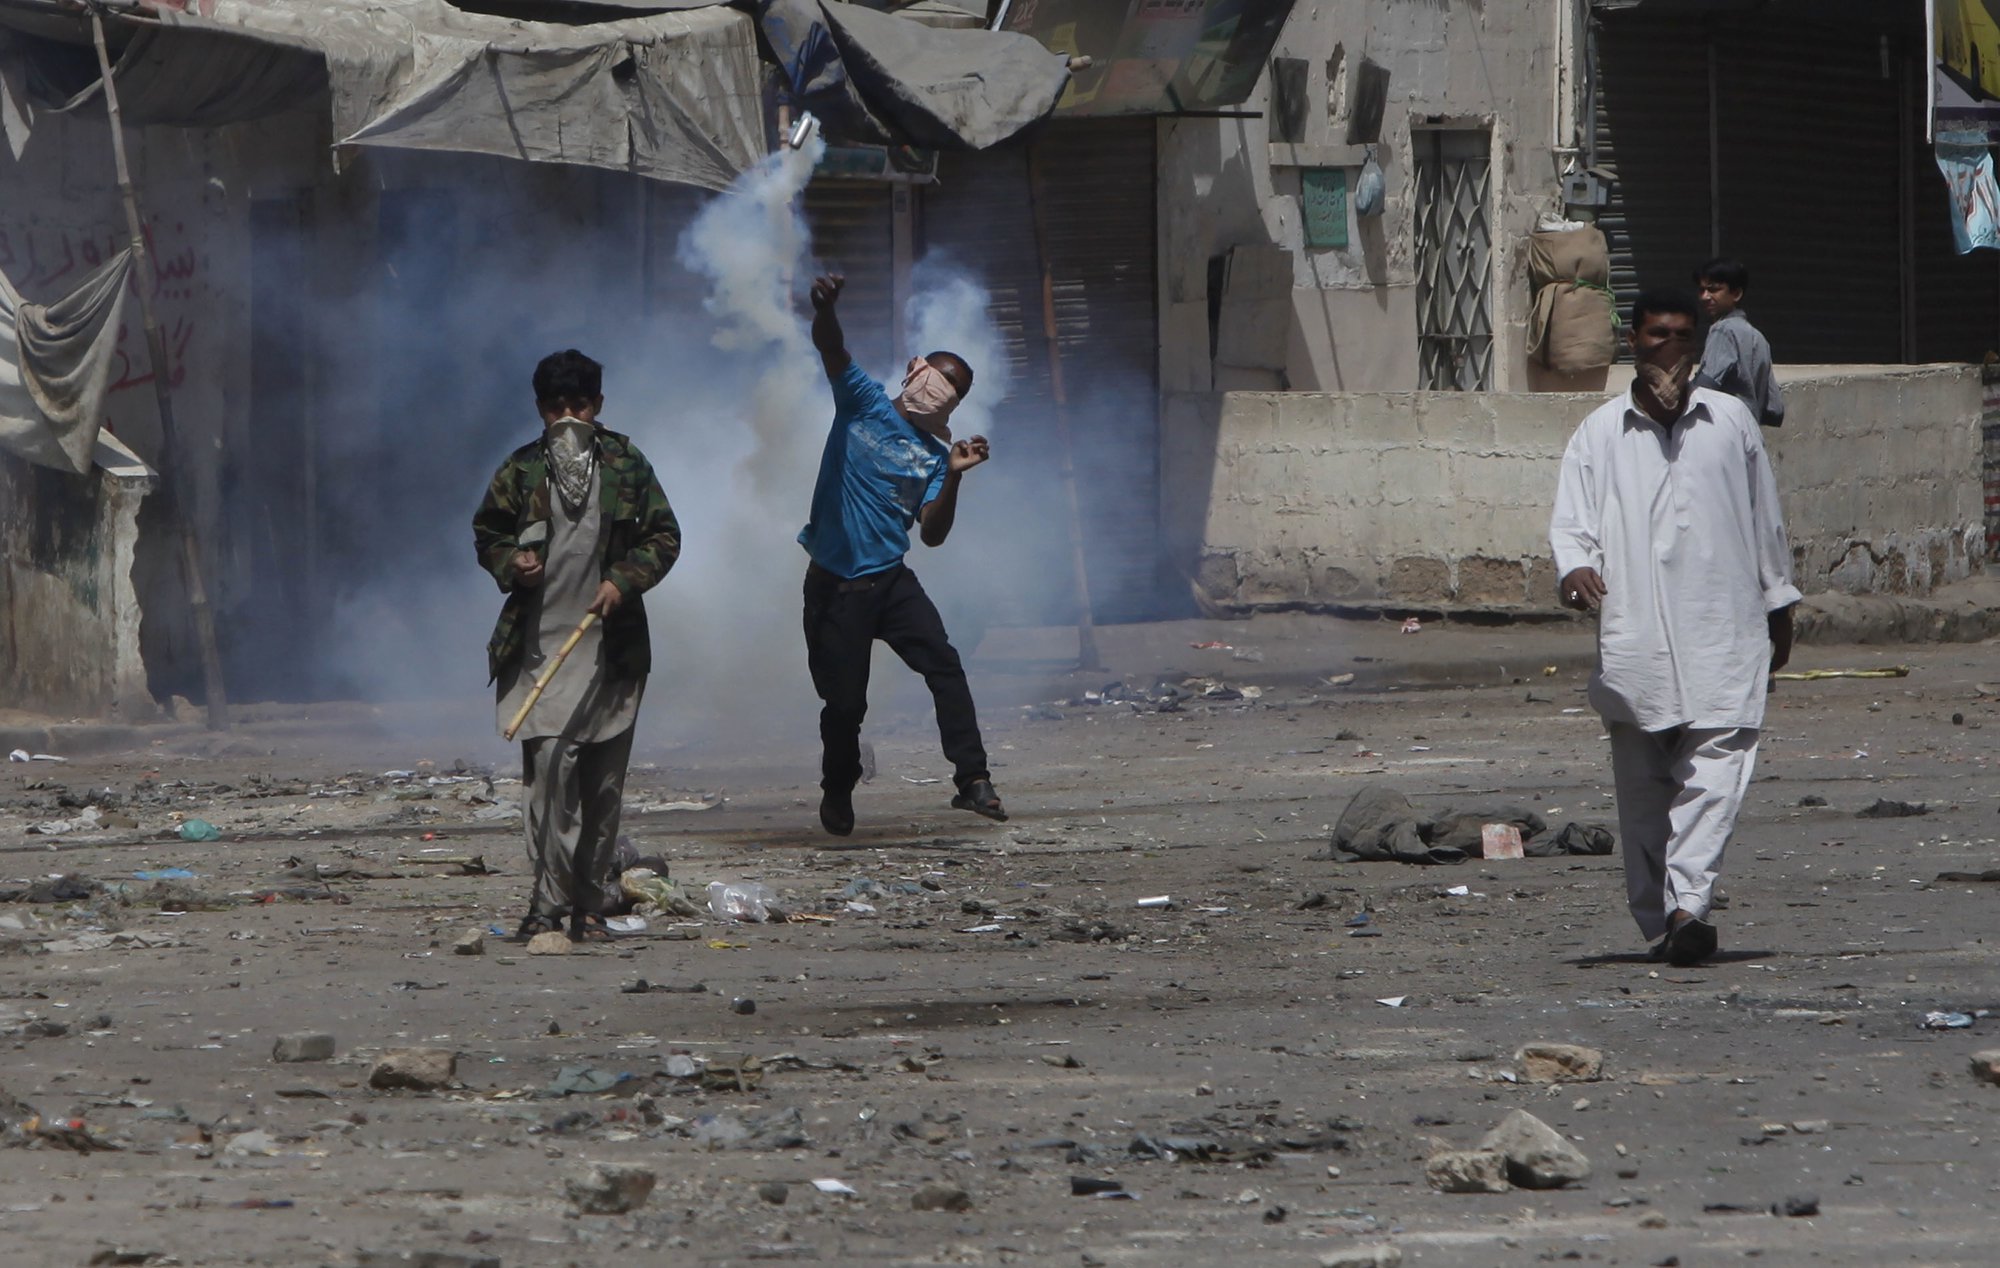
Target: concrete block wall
x=1882 y=475
x=1440 y=501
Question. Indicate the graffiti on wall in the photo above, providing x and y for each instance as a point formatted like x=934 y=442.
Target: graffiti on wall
x=46 y=262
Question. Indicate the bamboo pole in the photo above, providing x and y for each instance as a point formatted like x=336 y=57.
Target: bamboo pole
x=170 y=451
x=1086 y=630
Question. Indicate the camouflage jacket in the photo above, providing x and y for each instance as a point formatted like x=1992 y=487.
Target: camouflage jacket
x=641 y=542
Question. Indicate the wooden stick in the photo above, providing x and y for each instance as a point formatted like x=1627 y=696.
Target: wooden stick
x=548 y=672
x=1815 y=675
x=176 y=484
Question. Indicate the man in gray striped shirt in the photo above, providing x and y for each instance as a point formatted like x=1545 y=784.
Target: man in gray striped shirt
x=1736 y=358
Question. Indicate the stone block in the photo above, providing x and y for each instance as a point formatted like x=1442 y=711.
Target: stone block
x=414 y=1069
x=1417 y=579
x=1217 y=576
x=1559 y=1063
x=1496 y=583
x=306 y=1047
x=941 y=1197
x=1363 y=1257
x=1542 y=581
x=1456 y=421
x=1986 y=1066
x=1411 y=475
x=610 y=1189
x=1273 y=577
x=1332 y=583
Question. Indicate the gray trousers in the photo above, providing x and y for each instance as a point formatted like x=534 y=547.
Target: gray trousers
x=1678 y=794
x=573 y=795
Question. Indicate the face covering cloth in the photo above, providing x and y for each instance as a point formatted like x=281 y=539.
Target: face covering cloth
x=572 y=449
x=927 y=399
x=1668 y=384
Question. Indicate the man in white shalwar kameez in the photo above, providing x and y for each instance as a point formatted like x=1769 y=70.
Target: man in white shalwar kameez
x=1667 y=523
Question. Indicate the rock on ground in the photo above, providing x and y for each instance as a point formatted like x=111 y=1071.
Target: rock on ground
x=471 y=942
x=1559 y=1063
x=1537 y=1155
x=610 y=1189
x=1467 y=1171
x=1363 y=1257
x=554 y=942
x=414 y=1069
x=1986 y=1066
x=940 y=1197
x=303 y=1048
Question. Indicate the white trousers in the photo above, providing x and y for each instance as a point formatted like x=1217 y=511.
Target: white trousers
x=1679 y=791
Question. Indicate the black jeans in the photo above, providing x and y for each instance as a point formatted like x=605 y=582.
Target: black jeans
x=842 y=621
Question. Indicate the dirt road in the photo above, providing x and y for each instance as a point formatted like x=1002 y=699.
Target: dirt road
x=987 y=1008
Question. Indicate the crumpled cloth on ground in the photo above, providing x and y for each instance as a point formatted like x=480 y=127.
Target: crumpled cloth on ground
x=1380 y=824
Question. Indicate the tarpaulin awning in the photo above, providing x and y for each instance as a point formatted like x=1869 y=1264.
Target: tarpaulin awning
x=55 y=367
x=1182 y=57
x=674 y=95
x=883 y=80
x=671 y=89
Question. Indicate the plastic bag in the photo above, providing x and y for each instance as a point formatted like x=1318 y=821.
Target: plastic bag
x=648 y=889
x=748 y=901
x=1368 y=190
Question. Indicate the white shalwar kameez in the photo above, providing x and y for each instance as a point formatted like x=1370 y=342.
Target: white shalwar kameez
x=1683 y=525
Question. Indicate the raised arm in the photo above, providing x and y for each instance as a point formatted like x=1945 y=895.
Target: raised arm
x=826 y=332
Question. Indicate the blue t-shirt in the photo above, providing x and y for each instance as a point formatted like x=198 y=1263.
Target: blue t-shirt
x=876 y=473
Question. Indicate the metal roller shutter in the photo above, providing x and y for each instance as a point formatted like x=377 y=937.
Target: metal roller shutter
x=1652 y=130
x=852 y=234
x=1809 y=140
x=1100 y=211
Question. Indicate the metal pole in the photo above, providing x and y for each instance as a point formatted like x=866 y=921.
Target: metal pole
x=1086 y=630
x=170 y=451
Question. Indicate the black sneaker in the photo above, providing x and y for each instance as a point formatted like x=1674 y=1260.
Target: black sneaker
x=1690 y=943
x=836 y=811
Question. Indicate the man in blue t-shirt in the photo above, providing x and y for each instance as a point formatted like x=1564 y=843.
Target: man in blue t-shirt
x=889 y=463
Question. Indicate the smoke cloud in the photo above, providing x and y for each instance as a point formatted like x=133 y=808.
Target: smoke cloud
x=719 y=386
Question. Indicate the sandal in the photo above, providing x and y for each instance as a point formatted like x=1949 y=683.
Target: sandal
x=533 y=924
x=588 y=926
x=980 y=798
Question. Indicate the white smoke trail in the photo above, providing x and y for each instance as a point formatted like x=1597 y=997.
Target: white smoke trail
x=951 y=312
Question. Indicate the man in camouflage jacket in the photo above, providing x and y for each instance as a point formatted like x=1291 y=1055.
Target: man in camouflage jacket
x=574 y=522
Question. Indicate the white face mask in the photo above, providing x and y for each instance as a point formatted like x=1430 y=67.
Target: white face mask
x=572 y=448
x=927 y=399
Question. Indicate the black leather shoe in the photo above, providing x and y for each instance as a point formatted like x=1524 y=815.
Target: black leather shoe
x=1691 y=942
x=836 y=811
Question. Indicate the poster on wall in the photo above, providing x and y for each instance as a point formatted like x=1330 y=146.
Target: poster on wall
x=1154 y=56
x=1965 y=67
